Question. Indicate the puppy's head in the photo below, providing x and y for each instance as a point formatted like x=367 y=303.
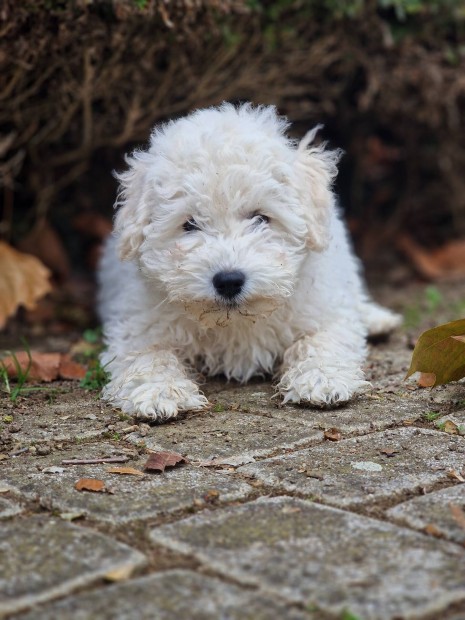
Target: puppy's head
x=222 y=209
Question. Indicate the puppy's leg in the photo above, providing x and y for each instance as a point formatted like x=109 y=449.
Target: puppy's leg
x=153 y=385
x=325 y=368
x=378 y=320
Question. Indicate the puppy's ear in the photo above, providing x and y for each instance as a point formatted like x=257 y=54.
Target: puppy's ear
x=316 y=170
x=132 y=204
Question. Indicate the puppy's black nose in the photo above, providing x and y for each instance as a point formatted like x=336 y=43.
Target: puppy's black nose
x=229 y=283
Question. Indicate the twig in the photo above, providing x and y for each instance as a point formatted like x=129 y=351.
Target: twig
x=111 y=459
x=18 y=452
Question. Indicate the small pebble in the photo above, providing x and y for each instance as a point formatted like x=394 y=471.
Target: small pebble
x=43 y=450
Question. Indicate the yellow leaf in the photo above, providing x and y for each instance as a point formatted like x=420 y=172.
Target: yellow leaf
x=441 y=352
x=23 y=280
x=120 y=574
x=125 y=470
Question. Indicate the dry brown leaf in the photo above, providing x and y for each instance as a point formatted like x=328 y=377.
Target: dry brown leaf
x=69 y=369
x=458 y=515
x=23 y=280
x=426 y=379
x=130 y=471
x=432 y=530
x=45 y=243
x=389 y=452
x=44 y=366
x=158 y=461
x=444 y=263
x=454 y=475
x=451 y=428
x=90 y=484
x=333 y=434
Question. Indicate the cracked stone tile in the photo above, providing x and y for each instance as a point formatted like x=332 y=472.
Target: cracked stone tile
x=42 y=558
x=173 y=595
x=434 y=510
x=226 y=433
x=324 y=557
x=363 y=470
x=132 y=497
x=367 y=413
x=8 y=509
x=71 y=417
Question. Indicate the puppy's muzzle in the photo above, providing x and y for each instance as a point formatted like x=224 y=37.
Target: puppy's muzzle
x=229 y=284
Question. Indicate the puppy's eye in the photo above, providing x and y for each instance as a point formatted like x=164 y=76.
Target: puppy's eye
x=191 y=224
x=259 y=218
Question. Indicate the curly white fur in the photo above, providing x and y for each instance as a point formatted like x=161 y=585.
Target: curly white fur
x=263 y=205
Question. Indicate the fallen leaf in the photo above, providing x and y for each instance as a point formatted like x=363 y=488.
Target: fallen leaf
x=451 y=428
x=455 y=475
x=444 y=263
x=211 y=496
x=69 y=369
x=120 y=574
x=43 y=366
x=333 y=434
x=23 y=281
x=458 y=515
x=426 y=379
x=408 y=422
x=432 y=530
x=158 y=461
x=125 y=470
x=90 y=484
x=44 y=243
x=389 y=452
x=438 y=351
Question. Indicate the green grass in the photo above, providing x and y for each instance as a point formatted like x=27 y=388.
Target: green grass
x=430 y=416
x=15 y=391
x=96 y=377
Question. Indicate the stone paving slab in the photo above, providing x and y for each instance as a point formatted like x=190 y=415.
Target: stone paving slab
x=226 y=433
x=8 y=509
x=174 y=595
x=434 y=511
x=370 y=412
x=322 y=556
x=67 y=418
x=42 y=558
x=132 y=497
x=355 y=472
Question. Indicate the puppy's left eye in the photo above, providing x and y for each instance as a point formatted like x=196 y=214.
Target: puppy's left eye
x=259 y=218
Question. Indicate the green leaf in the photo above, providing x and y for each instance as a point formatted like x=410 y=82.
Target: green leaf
x=441 y=351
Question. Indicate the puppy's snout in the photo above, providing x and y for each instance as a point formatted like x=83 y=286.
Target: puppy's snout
x=228 y=284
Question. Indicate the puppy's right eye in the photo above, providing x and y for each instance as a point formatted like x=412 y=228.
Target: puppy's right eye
x=191 y=224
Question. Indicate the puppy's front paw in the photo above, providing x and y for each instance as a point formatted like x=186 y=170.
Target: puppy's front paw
x=159 y=400
x=321 y=387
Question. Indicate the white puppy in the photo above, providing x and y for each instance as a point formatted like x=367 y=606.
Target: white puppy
x=235 y=262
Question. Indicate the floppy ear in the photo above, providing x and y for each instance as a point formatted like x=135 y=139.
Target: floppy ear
x=316 y=170
x=132 y=203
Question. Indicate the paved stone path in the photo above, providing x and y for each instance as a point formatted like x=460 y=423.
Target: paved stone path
x=286 y=523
